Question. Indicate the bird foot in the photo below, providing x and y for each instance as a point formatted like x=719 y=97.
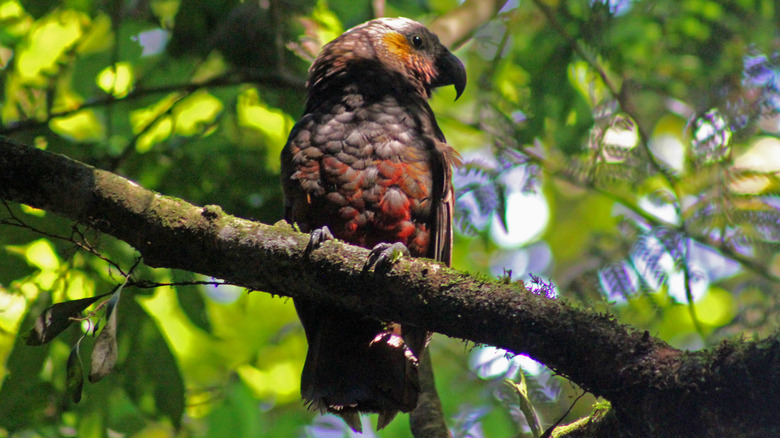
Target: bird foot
x=396 y=341
x=383 y=256
x=317 y=237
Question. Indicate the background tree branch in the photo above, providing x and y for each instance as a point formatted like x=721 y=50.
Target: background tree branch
x=647 y=381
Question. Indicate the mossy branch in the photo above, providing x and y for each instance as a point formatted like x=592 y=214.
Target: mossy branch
x=649 y=383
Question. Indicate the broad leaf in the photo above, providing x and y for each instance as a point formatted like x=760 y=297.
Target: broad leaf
x=57 y=318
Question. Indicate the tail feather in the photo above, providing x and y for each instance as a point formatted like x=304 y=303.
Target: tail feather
x=352 y=418
x=357 y=364
x=384 y=419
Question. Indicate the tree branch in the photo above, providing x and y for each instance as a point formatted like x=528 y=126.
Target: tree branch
x=457 y=26
x=643 y=377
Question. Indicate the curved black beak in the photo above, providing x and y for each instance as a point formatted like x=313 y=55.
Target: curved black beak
x=450 y=72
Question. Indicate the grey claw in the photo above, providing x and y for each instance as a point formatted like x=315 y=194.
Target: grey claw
x=384 y=255
x=317 y=237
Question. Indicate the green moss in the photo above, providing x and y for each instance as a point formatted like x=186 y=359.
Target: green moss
x=600 y=409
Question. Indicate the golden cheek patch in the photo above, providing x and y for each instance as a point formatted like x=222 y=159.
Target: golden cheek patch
x=397 y=44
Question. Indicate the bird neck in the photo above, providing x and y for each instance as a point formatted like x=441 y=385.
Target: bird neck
x=366 y=78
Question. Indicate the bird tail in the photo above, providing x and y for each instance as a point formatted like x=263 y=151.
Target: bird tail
x=357 y=364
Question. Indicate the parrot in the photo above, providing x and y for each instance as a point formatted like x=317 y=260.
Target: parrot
x=368 y=164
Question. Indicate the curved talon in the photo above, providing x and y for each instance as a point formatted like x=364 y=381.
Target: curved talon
x=396 y=341
x=384 y=255
x=317 y=237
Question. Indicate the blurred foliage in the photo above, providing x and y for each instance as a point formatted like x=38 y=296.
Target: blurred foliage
x=622 y=154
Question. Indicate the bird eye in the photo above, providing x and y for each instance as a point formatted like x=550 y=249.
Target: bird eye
x=417 y=41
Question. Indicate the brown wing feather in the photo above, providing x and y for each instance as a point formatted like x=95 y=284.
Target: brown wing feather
x=444 y=157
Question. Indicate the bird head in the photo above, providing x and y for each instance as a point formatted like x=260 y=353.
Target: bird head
x=398 y=45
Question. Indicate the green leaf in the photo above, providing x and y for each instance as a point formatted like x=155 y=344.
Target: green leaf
x=57 y=318
x=152 y=363
x=105 y=352
x=74 y=381
x=237 y=416
x=192 y=302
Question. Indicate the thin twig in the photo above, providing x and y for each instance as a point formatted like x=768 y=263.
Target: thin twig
x=227 y=80
x=116 y=161
x=15 y=221
x=147 y=284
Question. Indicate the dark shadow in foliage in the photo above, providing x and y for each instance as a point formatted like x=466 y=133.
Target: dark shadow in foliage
x=248 y=34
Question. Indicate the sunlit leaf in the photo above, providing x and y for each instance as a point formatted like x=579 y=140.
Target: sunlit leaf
x=154 y=123
x=329 y=24
x=14 y=307
x=509 y=78
x=116 y=80
x=47 y=41
x=33 y=211
x=280 y=380
x=274 y=124
x=193 y=114
x=98 y=36
x=78 y=285
x=762 y=156
x=587 y=81
x=210 y=68
x=16 y=22
x=165 y=11
x=159 y=132
x=81 y=126
x=41 y=255
x=11 y=9
x=140 y=119
x=716 y=308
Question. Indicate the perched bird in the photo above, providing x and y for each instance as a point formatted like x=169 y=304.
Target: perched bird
x=368 y=161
